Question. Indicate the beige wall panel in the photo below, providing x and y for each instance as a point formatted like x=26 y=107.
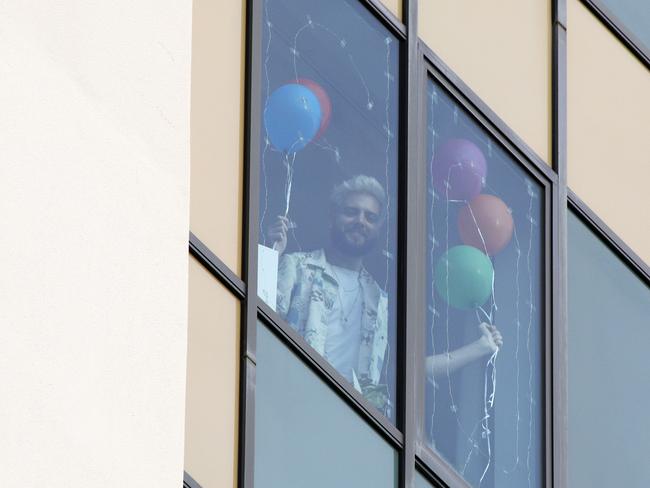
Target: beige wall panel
x=394 y=6
x=609 y=128
x=502 y=50
x=212 y=381
x=217 y=126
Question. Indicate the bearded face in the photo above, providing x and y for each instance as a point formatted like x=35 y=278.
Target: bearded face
x=356 y=224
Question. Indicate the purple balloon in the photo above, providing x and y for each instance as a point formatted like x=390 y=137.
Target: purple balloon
x=459 y=170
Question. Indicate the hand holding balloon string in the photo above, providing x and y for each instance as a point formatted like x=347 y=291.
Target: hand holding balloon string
x=295 y=114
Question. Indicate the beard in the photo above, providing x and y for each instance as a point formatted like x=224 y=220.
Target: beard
x=347 y=246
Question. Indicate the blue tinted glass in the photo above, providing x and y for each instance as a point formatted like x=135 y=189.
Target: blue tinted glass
x=609 y=372
x=305 y=435
x=328 y=185
x=484 y=394
x=634 y=15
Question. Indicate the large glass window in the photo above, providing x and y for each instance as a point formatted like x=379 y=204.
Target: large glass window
x=305 y=435
x=328 y=185
x=484 y=394
x=609 y=372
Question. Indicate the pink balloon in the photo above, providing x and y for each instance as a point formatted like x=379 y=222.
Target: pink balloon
x=486 y=223
x=459 y=170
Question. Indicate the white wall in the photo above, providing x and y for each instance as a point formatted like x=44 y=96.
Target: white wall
x=94 y=176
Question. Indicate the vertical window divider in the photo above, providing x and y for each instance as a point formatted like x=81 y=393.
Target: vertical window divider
x=411 y=248
x=248 y=323
x=557 y=449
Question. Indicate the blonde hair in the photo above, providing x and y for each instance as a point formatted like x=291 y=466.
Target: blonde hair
x=359 y=184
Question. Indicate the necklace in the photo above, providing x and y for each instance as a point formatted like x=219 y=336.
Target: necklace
x=345 y=317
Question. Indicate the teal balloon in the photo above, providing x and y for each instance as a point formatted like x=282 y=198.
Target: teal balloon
x=463 y=277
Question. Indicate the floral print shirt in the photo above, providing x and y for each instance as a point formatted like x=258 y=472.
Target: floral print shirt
x=307 y=293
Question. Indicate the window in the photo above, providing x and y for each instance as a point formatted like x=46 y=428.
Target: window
x=328 y=185
x=609 y=384
x=485 y=339
x=307 y=436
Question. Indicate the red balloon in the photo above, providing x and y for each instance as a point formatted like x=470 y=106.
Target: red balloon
x=492 y=217
x=325 y=104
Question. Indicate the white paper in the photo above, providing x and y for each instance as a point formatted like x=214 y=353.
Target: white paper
x=267 y=275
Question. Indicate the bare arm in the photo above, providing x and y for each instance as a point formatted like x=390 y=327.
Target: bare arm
x=488 y=344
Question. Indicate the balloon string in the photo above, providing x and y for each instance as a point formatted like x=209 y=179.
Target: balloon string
x=530 y=324
x=493 y=302
x=432 y=265
x=289 y=182
x=267 y=144
x=517 y=365
x=488 y=404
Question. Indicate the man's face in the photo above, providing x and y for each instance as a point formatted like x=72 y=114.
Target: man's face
x=356 y=224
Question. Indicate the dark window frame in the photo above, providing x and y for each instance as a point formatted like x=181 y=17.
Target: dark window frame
x=418 y=62
x=254 y=308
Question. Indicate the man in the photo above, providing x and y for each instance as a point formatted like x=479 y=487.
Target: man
x=337 y=306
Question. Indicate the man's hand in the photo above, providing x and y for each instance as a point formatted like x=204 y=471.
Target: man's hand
x=278 y=234
x=491 y=339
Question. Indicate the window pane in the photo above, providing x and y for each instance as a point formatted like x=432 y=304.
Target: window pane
x=485 y=286
x=328 y=185
x=609 y=376
x=634 y=15
x=305 y=435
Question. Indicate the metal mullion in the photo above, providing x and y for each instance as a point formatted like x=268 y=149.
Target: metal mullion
x=413 y=234
x=248 y=330
x=557 y=467
x=328 y=374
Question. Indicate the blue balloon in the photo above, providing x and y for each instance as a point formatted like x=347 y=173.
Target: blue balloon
x=292 y=117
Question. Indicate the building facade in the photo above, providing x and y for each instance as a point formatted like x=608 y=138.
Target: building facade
x=535 y=111
x=417 y=243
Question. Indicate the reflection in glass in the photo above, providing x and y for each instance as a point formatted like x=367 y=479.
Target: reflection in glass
x=609 y=372
x=328 y=185
x=305 y=435
x=485 y=301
